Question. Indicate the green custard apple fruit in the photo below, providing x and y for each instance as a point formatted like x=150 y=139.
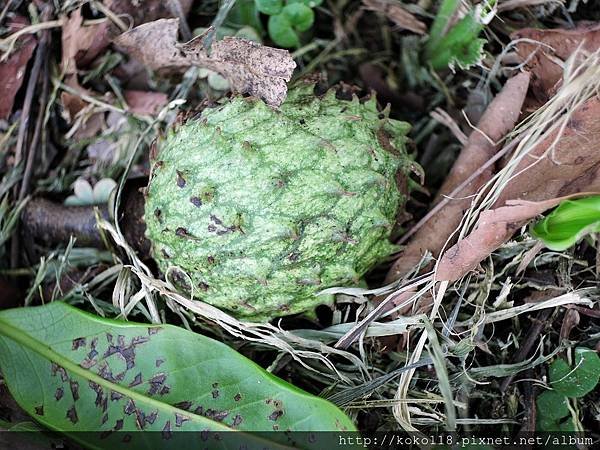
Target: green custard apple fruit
x=257 y=209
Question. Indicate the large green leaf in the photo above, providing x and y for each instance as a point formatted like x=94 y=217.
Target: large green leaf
x=552 y=406
x=579 y=380
x=282 y=31
x=74 y=372
x=300 y=16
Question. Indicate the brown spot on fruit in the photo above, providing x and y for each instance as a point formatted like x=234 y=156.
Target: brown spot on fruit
x=118 y=424
x=158 y=362
x=180 y=179
x=237 y=397
x=39 y=410
x=58 y=394
x=196 y=201
x=383 y=138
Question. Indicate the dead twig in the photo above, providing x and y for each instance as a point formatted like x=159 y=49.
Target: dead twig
x=22 y=135
x=471 y=171
x=34 y=144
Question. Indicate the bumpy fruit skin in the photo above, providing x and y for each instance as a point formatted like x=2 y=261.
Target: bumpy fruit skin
x=260 y=209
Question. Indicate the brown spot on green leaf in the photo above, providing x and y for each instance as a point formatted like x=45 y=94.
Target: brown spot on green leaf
x=186 y=405
x=74 y=385
x=137 y=380
x=166 y=431
x=78 y=343
x=180 y=419
x=151 y=418
x=129 y=407
x=56 y=369
x=275 y=415
x=72 y=414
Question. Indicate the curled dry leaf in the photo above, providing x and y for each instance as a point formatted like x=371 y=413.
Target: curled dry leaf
x=493 y=227
x=499 y=118
x=12 y=70
x=572 y=168
x=570 y=321
x=145 y=102
x=402 y=18
x=544 y=51
x=250 y=67
x=81 y=44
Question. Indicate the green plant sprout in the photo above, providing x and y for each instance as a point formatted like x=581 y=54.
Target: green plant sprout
x=568 y=223
x=553 y=411
x=287 y=19
x=458 y=44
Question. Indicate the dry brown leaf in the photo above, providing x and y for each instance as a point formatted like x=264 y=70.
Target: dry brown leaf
x=81 y=44
x=394 y=11
x=12 y=70
x=250 y=67
x=544 y=60
x=541 y=176
x=573 y=165
x=145 y=102
x=494 y=226
x=570 y=321
x=500 y=118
